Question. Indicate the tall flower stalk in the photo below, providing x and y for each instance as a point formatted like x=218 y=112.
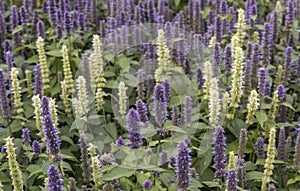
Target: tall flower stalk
x=18 y=104
x=14 y=168
x=43 y=62
x=270 y=160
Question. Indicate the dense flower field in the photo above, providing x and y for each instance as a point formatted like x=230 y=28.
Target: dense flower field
x=149 y=95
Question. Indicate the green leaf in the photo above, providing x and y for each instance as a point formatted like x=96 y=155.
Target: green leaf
x=33 y=59
x=117 y=172
x=287 y=104
x=211 y=184
x=124 y=63
x=261 y=117
x=17 y=29
x=254 y=175
x=54 y=53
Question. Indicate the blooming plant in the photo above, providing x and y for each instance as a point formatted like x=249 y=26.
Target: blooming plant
x=149 y=95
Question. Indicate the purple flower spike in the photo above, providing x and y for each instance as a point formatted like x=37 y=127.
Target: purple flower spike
x=14 y=18
x=84 y=158
x=120 y=142
x=266 y=43
x=68 y=25
x=160 y=105
x=2 y=26
x=183 y=163
x=38 y=80
x=262 y=74
x=134 y=129
x=281 y=145
x=199 y=78
x=52 y=11
x=151 y=11
x=34 y=19
x=51 y=135
x=41 y=29
x=175 y=116
x=219 y=151
x=36 y=147
x=54 y=181
x=167 y=86
x=23 y=16
x=3 y=97
x=287 y=65
x=282 y=115
x=147 y=184
x=259 y=148
x=26 y=136
x=232 y=180
x=242 y=143
x=290 y=14
x=187 y=110
x=142 y=110
x=59 y=31
x=218 y=29
x=228 y=60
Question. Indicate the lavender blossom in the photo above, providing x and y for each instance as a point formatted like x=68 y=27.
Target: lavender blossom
x=275 y=25
x=54 y=181
x=120 y=142
x=26 y=136
x=216 y=57
x=199 y=79
x=134 y=129
x=232 y=180
x=266 y=44
x=259 y=148
x=160 y=105
x=187 y=110
x=218 y=29
x=287 y=65
x=34 y=21
x=38 y=80
x=219 y=152
x=23 y=16
x=282 y=115
x=147 y=184
x=150 y=86
x=84 y=158
x=241 y=172
x=247 y=83
x=140 y=84
x=40 y=29
x=36 y=147
x=281 y=145
x=3 y=97
x=142 y=110
x=50 y=132
x=175 y=116
x=262 y=73
x=255 y=60
x=33 y=5
x=242 y=143
x=2 y=26
x=228 y=60
x=52 y=11
x=290 y=14
x=167 y=87
x=151 y=12
x=183 y=163
x=6 y=47
x=297 y=152
x=68 y=25
x=59 y=31
x=14 y=18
